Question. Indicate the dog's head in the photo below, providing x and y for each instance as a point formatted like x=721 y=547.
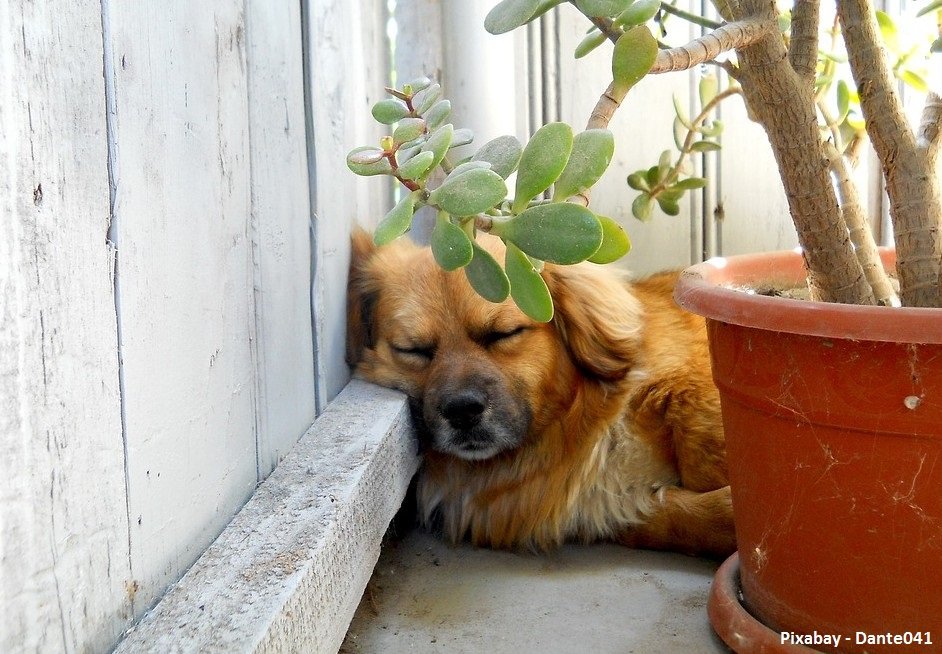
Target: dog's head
x=482 y=377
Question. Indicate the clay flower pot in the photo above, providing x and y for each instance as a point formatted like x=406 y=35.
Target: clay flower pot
x=833 y=419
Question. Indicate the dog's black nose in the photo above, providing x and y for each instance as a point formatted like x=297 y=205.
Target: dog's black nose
x=463 y=410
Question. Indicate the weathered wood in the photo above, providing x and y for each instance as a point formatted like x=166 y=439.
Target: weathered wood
x=287 y=574
x=64 y=568
x=281 y=218
x=185 y=277
x=753 y=209
x=348 y=68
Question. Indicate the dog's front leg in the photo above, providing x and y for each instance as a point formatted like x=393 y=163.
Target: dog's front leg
x=686 y=521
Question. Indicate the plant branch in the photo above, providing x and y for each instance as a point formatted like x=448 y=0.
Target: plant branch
x=784 y=105
x=929 y=134
x=730 y=36
x=733 y=35
x=831 y=124
x=860 y=234
x=696 y=19
x=911 y=182
x=803 y=46
x=685 y=150
x=606 y=27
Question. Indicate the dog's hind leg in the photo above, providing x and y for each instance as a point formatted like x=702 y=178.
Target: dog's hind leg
x=686 y=521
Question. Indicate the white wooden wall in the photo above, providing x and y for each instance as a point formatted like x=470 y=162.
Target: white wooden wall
x=174 y=202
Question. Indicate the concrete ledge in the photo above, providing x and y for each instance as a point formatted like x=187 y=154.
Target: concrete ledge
x=287 y=574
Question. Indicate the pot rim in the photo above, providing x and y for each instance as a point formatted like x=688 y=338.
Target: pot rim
x=712 y=289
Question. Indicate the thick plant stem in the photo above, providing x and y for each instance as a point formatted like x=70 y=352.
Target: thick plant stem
x=929 y=134
x=784 y=105
x=701 y=50
x=803 y=48
x=860 y=234
x=911 y=182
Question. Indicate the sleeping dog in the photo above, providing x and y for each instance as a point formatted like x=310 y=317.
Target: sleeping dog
x=602 y=424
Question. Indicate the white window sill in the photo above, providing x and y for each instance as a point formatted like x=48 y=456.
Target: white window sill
x=287 y=573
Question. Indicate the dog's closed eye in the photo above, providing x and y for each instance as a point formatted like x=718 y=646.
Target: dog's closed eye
x=424 y=353
x=498 y=335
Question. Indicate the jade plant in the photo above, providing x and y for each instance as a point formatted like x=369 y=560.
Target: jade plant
x=781 y=67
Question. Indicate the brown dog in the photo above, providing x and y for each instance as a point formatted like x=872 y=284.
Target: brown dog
x=602 y=424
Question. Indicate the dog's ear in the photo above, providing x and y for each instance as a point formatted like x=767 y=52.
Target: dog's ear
x=361 y=299
x=598 y=319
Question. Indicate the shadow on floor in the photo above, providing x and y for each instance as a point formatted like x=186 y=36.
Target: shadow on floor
x=426 y=596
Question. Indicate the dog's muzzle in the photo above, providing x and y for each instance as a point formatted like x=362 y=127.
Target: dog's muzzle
x=474 y=420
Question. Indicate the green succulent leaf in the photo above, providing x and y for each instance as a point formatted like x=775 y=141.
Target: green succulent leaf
x=932 y=6
x=420 y=84
x=639 y=12
x=389 y=111
x=469 y=165
x=638 y=181
x=680 y=133
x=561 y=232
x=395 y=223
x=527 y=287
x=705 y=146
x=451 y=247
x=681 y=113
x=712 y=129
x=635 y=52
x=615 y=242
x=407 y=130
x=503 y=153
x=462 y=136
x=936 y=46
x=438 y=142
x=664 y=163
x=510 y=14
x=365 y=155
x=541 y=163
x=590 y=42
x=641 y=207
x=373 y=166
x=427 y=98
x=888 y=31
x=668 y=205
x=470 y=192
x=653 y=175
x=915 y=80
x=602 y=8
x=708 y=88
x=417 y=166
x=486 y=276
x=690 y=183
x=592 y=152
x=438 y=114
x=843 y=100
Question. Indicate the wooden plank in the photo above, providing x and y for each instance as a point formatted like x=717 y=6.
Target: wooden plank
x=287 y=574
x=182 y=213
x=65 y=565
x=281 y=214
x=754 y=216
x=347 y=70
x=479 y=73
x=642 y=128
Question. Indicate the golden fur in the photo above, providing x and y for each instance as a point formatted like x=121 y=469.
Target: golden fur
x=602 y=424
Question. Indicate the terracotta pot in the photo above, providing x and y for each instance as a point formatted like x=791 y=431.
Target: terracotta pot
x=833 y=419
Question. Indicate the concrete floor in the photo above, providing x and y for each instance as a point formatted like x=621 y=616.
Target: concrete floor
x=426 y=596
